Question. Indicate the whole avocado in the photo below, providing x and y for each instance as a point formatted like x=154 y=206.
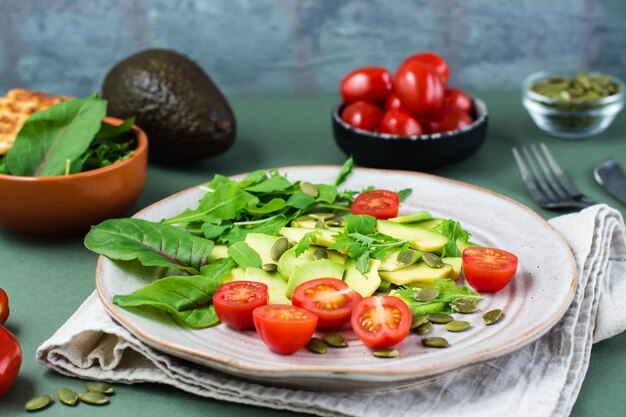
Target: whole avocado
x=184 y=114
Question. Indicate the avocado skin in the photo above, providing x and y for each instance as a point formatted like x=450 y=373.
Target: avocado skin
x=184 y=114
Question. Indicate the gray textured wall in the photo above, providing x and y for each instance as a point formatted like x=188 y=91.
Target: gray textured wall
x=260 y=46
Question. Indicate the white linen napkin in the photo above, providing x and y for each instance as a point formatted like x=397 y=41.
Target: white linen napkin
x=542 y=379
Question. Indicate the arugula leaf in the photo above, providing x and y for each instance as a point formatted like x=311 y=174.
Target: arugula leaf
x=3 y=165
x=270 y=226
x=404 y=193
x=306 y=241
x=275 y=204
x=363 y=263
x=108 y=131
x=219 y=269
x=453 y=231
x=244 y=255
x=217 y=180
x=448 y=291
x=348 y=245
x=273 y=184
x=253 y=178
x=212 y=231
x=300 y=200
x=360 y=223
x=327 y=193
x=345 y=170
x=51 y=137
x=153 y=244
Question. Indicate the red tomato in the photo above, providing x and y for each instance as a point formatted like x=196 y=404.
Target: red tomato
x=393 y=103
x=10 y=359
x=449 y=119
x=4 y=306
x=381 y=204
x=329 y=298
x=362 y=115
x=419 y=87
x=381 y=321
x=235 y=301
x=371 y=84
x=488 y=269
x=435 y=61
x=285 y=329
x=401 y=123
x=455 y=97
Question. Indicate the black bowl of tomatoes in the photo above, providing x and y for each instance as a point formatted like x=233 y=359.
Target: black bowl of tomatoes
x=411 y=120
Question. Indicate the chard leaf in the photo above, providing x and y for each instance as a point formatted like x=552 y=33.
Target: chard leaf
x=403 y=194
x=453 y=231
x=213 y=231
x=345 y=170
x=244 y=255
x=224 y=203
x=300 y=200
x=275 y=204
x=186 y=298
x=152 y=244
x=360 y=223
x=51 y=137
x=273 y=184
x=327 y=193
x=3 y=165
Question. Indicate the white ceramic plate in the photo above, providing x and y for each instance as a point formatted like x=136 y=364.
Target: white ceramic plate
x=534 y=301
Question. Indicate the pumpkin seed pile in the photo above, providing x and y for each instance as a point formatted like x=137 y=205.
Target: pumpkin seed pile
x=96 y=393
x=583 y=87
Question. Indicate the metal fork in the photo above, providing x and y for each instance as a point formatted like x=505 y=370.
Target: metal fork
x=546 y=182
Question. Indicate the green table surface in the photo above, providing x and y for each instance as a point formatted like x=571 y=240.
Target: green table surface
x=48 y=280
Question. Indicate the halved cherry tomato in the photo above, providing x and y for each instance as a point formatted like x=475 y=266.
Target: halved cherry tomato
x=450 y=118
x=393 y=103
x=434 y=60
x=419 y=87
x=285 y=329
x=455 y=97
x=381 y=321
x=401 y=123
x=329 y=298
x=488 y=269
x=362 y=115
x=371 y=84
x=381 y=204
x=10 y=359
x=235 y=301
x=4 y=306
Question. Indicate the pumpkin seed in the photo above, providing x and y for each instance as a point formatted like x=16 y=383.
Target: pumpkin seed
x=334 y=223
x=463 y=305
x=457 y=326
x=320 y=224
x=320 y=254
x=432 y=260
x=101 y=387
x=279 y=247
x=310 y=189
x=436 y=342
x=270 y=267
x=37 y=403
x=492 y=316
x=322 y=216
x=427 y=294
x=424 y=328
x=335 y=340
x=67 y=396
x=417 y=322
x=317 y=345
x=439 y=318
x=408 y=257
x=94 y=398
x=386 y=353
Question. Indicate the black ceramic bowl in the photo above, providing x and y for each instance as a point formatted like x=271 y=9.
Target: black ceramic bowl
x=417 y=153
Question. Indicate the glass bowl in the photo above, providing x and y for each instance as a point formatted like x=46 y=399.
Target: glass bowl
x=571 y=119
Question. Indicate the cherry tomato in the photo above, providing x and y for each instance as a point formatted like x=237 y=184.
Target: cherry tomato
x=10 y=359
x=455 y=97
x=381 y=204
x=450 y=118
x=435 y=61
x=419 y=87
x=285 y=329
x=235 y=301
x=488 y=269
x=401 y=123
x=371 y=84
x=329 y=298
x=362 y=115
x=393 y=103
x=381 y=321
x=4 y=307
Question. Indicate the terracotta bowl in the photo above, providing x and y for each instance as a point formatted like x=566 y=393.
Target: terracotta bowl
x=60 y=206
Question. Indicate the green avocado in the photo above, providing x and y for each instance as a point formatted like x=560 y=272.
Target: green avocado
x=324 y=268
x=184 y=114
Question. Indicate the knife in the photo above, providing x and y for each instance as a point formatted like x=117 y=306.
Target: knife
x=609 y=174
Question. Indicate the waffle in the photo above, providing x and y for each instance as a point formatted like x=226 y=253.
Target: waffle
x=15 y=107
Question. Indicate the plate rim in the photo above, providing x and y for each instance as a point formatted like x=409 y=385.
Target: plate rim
x=429 y=371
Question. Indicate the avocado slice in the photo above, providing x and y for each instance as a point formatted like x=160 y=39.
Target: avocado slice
x=390 y=263
x=426 y=240
x=416 y=274
x=324 y=268
x=235 y=274
x=456 y=262
x=262 y=244
x=431 y=223
x=364 y=284
x=276 y=285
x=289 y=261
x=412 y=218
x=325 y=237
x=218 y=252
x=183 y=112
